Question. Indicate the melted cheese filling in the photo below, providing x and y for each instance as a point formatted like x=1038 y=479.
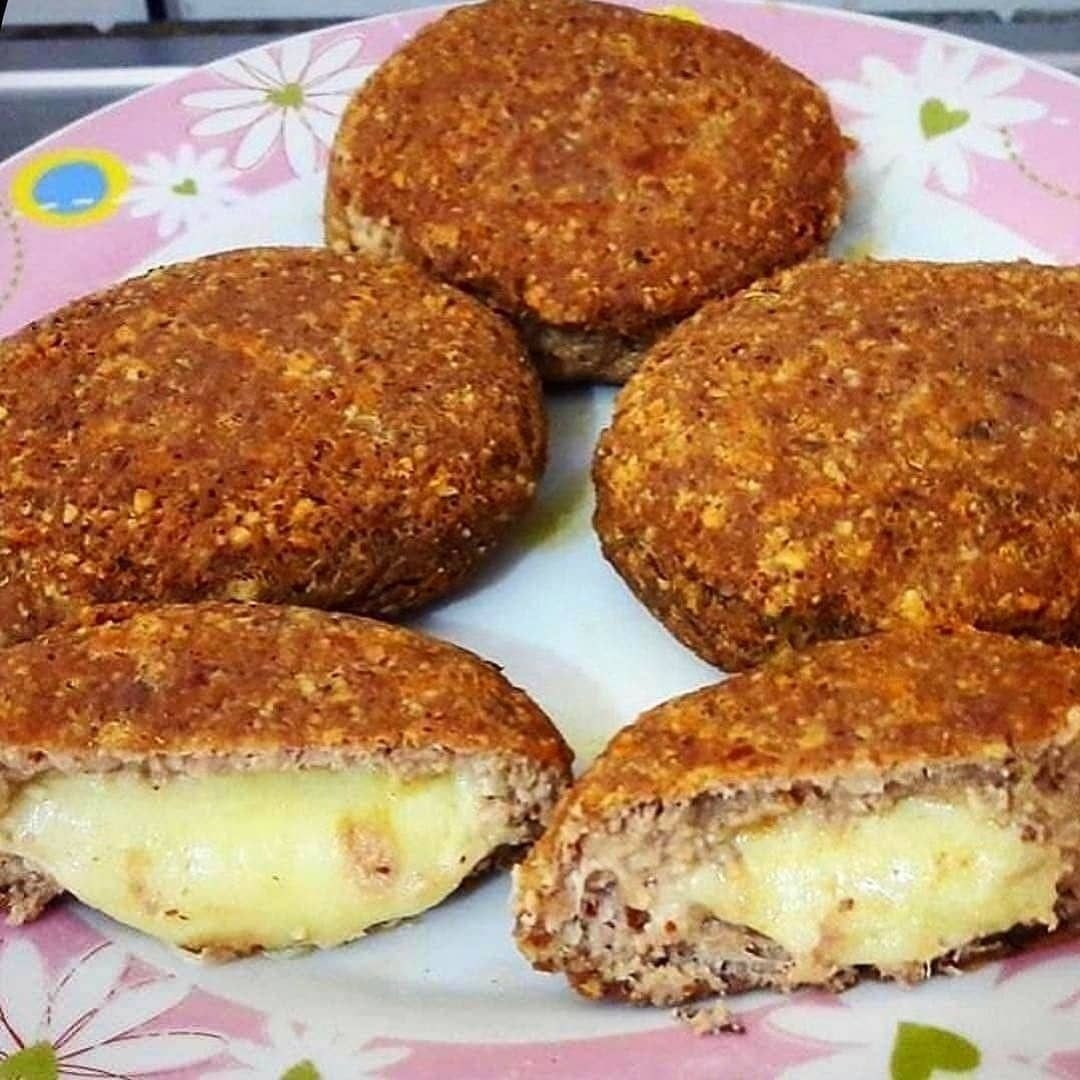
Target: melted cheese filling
x=893 y=888
x=253 y=860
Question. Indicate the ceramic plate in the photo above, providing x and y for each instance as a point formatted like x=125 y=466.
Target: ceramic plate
x=965 y=152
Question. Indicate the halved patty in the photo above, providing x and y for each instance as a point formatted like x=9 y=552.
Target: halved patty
x=233 y=777
x=892 y=806
x=592 y=171
x=284 y=424
x=848 y=447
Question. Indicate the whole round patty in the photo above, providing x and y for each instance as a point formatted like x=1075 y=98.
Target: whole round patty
x=286 y=425
x=850 y=446
x=592 y=171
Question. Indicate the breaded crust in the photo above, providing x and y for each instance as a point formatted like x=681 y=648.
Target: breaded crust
x=850 y=726
x=588 y=169
x=189 y=687
x=285 y=424
x=851 y=446
x=215 y=687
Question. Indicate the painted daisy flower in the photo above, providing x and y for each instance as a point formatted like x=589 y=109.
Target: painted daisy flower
x=84 y=1024
x=985 y=1024
x=295 y=1053
x=284 y=94
x=182 y=192
x=930 y=121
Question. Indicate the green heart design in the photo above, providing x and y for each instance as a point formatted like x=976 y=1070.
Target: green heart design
x=302 y=1070
x=37 y=1062
x=186 y=187
x=936 y=118
x=920 y=1051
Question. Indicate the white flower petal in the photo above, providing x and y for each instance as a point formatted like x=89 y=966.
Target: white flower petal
x=850 y=94
x=344 y=82
x=219 y=123
x=239 y=75
x=323 y=124
x=293 y=57
x=952 y=169
x=224 y=99
x=260 y=68
x=334 y=104
x=229 y=1074
x=983 y=140
x=214 y=161
x=299 y=144
x=169 y=221
x=823 y=1023
x=158 y=165
x=883 y=78
x=7 y=1044
x=22 y=989
x=371 y=1060
x=1045 y=986
x=956 y=72
x=285 y=1036
x=932 y=60
x=90 y=978
x=224 y=196
x=141 y=1055
x=254 y=1055
x=146 y=202
x=129 y=1008
x=258 y=140
x=148 y=175
x=1010 y=110
x=333 y=59
x=185 y=158
x=993 y=81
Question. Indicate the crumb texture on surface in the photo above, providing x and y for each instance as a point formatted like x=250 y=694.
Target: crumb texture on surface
x=251 y=686
x=587 y=166
x=287 y=425
x=852 y=446
x=844 y=728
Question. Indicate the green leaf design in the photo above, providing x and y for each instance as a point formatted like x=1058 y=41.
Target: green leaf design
x=920 y=1051
x=302 y=1070
x=37 y=1062
x=186 y=187
x=936 y=118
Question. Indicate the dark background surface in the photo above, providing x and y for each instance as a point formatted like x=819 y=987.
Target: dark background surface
x=50 y=76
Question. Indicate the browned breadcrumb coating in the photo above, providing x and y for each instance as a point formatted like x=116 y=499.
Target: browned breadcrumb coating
x=217 y=687
x=279 y=424
x=851 y=446
x=585 y=166
x=254 y=686
x=713 y=1018
x=847 y=727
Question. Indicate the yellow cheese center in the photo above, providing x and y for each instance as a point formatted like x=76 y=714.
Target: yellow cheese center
x=247 y=860
x=892 y=888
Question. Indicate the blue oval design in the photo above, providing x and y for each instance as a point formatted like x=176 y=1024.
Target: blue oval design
x=71 y=188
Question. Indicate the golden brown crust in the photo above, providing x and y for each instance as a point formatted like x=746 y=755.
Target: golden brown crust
x=588 y=166
x=846 y=447
x=844 y=728
x=171 y=685
x=281 y=424
x=845 y=709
